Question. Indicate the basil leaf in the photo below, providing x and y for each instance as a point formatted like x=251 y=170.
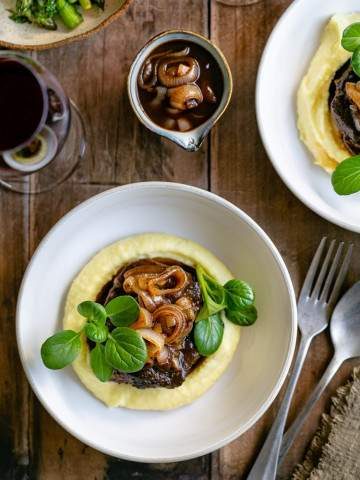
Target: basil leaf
x=351 y=37
x=123 y=310
x=213 y=294
x=238 y=294
x=99 y=365
x=244 y=317
x=355 y=61
x=208 y=334
x=346 y=177
x=61 y=349
x=97 y=332
x=92 y=311
x=125 y=350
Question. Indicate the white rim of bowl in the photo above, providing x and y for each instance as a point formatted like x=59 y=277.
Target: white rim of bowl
x=264 y=58
x=279 y=261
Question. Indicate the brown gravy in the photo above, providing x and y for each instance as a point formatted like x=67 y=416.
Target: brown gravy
x=180 y=85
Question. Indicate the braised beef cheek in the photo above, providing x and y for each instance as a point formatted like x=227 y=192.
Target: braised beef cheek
x=345 y=112
x=183 y=358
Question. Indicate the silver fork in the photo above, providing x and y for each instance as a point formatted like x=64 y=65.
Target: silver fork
x=317 y=299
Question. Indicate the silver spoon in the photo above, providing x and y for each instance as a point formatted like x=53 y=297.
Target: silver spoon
x=345 y=336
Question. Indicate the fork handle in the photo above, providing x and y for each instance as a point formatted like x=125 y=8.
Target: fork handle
x=295 y=427
x=266 y=463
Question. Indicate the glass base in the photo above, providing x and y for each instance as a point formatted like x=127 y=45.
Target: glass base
x=59 y=169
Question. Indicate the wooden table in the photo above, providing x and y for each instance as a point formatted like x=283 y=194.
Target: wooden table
x=231 y=163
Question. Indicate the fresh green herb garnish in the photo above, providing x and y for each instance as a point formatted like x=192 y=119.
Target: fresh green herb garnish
x=92 y=311
x=208 y=334
x=350 y=41
x=99 y=365
x=346 y=177
x=123 y=348
x=123 y=311
x=236 y=297
x=96 y=332
x=61 y=349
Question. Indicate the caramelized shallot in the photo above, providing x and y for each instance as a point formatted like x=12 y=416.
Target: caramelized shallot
x=173 y=280
x=157 y=340
x=185 y=97
x=187 y=307
x=144 y=320
x=167 y=313
x=151 y=303
x=182 y=76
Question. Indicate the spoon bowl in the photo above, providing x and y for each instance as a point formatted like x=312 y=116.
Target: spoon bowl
x=345 y=324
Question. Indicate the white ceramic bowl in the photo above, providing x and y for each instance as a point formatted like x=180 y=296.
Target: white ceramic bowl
x=257 y=371
x=285 y=60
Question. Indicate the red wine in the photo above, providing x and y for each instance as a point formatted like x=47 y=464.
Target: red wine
x=22 y=104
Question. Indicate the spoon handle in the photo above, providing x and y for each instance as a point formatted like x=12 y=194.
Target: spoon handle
x=266 y=464
x=295 y=427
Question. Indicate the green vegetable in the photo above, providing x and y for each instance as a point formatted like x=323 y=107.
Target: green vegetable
x=208 y=334
x=123 y=310
x=61 y=349
x=96 y=332
x=245 y=316
x=351 y=37
x=346 y=177
x=99 y=365
x=213 y=294
x=92 y=311
x=238 y=294
x=355 y=61
x=125 y=350
x=69 y=15
x=236 y=297
x=86 y=4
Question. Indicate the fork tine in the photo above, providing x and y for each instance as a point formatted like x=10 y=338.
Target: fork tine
x=324 y=268
x=310 y=276
x=331 y=274
x=341 y=276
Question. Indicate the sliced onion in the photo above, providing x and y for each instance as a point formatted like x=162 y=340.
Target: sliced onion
x=167 y=313
x=144 y=320
x=177 y=273
x=151 y=303
x=187 y=307
x=156 y=339
x=163 y=356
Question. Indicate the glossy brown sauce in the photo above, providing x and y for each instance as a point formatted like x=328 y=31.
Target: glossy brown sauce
x=187 y=104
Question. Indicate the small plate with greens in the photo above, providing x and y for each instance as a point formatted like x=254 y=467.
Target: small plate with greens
x=42 y=24
x=155 y=346
x=309 y=114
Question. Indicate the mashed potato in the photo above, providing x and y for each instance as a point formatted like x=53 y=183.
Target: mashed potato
x=98 y=272
x=314 y=119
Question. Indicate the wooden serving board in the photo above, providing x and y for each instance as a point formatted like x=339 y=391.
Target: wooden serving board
x=231 y=163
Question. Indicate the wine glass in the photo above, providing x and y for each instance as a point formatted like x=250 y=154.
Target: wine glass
x=42 y=134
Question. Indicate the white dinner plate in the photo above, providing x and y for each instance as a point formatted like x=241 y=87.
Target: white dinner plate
x=261 y=362
x=285 y=60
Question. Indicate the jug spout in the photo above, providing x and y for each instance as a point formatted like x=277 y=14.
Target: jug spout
x=190 y=141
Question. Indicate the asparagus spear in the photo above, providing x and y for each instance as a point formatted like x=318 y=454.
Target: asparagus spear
x=68 y=13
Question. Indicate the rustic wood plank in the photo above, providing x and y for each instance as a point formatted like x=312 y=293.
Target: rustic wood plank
x=94 y=73
x=242 y=173
x=120 y=151
x=15 y=399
